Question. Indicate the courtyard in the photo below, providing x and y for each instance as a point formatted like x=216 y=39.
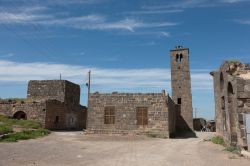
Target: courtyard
x=75 y=148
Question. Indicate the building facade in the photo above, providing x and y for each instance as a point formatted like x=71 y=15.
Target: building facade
x=232 y=101
x=123 y=113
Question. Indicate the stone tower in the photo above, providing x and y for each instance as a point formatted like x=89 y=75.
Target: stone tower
x=181 y=87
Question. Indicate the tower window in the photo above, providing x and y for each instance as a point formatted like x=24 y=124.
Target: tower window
x=179 y=101
x=181 y=57
x=177 y=58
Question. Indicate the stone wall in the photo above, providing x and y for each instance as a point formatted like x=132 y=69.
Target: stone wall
x=60 y=90
x=125 y=113
x=33 y=110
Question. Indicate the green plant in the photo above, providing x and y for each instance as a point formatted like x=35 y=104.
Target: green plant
x=232 y=149
x=5 y=129
x=24 y=135
x=218 y=140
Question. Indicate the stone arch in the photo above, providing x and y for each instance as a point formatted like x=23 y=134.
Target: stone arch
x=232 y=113
x=20 y=115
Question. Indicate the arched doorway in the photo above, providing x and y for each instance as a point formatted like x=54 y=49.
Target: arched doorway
x=20 y=115
x=232 y=113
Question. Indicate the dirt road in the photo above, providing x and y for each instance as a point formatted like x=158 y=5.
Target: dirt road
x=76 y=149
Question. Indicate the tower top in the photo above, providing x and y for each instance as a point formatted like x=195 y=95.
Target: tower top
x=179 y=48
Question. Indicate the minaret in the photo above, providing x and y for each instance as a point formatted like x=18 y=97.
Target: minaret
x=181 y=87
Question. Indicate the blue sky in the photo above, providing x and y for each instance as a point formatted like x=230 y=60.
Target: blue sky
x=125 y=43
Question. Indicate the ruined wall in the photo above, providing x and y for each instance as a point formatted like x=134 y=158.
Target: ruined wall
x=181 y=87
x=125 y=113
x=232 y=94
x=33 y=110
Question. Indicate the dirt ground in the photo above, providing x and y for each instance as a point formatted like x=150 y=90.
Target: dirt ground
x=75 y=149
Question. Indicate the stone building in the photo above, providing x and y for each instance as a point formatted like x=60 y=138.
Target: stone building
x=181 y=87
x=232 y=101
x=154 y=113
x=54 y=103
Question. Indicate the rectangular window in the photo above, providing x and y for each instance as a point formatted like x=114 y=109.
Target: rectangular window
x=142 y=116
x=109 y=115
x=179 y=101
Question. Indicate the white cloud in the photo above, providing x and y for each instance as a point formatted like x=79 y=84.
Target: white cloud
x=154 y=11
x=184 y=4
x=246 y=22
x=91 y=22
x=103 y=79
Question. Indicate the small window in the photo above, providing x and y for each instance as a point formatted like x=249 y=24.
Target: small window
x=142 y=116
x=177 y=58
x=57 y=119
x=181 y=57
x=179 y=101
x=109 y=115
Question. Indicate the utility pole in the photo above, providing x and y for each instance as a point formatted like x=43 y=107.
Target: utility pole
x=88 y=85
x=60 y=76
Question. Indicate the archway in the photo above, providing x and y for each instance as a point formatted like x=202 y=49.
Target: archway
x=20 y=115
x=232 y=113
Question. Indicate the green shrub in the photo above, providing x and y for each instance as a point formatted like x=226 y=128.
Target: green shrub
x=5 y=129
x=232 y=149
x=24 y=135
x=218 y=140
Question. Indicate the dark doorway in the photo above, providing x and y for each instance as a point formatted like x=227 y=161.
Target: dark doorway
x=20 y=115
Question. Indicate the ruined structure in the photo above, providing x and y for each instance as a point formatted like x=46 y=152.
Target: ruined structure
x=181 y=87
x=154 y=113
x=54 y=103
x=232 y=101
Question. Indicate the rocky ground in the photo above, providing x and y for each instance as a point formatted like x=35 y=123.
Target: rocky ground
x=75 y=149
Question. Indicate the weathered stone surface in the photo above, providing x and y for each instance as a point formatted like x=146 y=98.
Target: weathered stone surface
x=231 y=87
x=240 y=103
x=161 y=120
x=247 y=88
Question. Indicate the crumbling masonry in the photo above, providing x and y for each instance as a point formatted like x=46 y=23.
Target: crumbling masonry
x=232 y=101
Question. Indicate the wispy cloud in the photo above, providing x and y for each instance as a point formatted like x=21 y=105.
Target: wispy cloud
x=103 y=79
x=89 y=22
x=246 y=21
x=7 y=55
x=184 y=4
x=153 y=12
